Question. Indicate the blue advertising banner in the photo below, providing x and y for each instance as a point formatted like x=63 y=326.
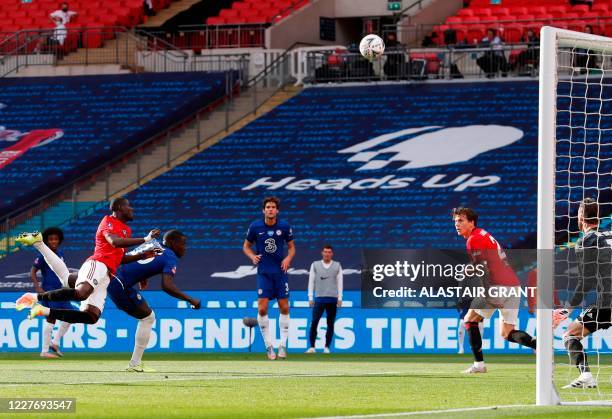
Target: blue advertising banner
x=218 y=328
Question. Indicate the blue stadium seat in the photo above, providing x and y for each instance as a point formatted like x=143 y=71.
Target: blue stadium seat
x=77 y=123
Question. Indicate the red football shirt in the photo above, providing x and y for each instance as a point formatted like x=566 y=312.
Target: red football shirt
x=104 y=252
x=482 y=247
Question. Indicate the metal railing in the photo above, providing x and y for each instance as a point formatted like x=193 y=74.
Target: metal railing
x=325 y=66
x=202 y=37
x=414 y=34
x=253 y=91
x=85 y=46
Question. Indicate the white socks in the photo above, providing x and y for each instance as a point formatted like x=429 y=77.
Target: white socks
x=63 y=328
x=56 y=264
x=47 y=330
x=461 y=334
x=264 y=326
x=143 y=333
x=283 y=321
x=479 y=364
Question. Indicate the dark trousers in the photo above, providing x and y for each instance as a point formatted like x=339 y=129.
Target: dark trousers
x=317 y=313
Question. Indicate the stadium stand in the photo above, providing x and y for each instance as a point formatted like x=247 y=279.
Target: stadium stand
x=514 y=17
x=78 y=123
x=256 y=11
x=301 y=151
x=17 y=15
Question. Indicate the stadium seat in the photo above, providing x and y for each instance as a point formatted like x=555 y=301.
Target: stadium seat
x=92 y=134
x=475 y=33
x=513 y=33
x=600 y=8
x=580 y=9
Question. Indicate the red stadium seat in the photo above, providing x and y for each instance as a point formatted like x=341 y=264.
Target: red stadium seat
x=451 y=20
x=525 y=18
x=228 y=14
x=537 y=10
x=501 y=11
x=600 y=8
x=461 y=31
x=519 y=11
x=580 y=8
x=475 y=33
x=577 y=25
x=513 y=33
x=465 y=12
x=215 y=21
x=483 y=12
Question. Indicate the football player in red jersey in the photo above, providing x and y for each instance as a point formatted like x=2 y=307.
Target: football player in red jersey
x=112 y=237
x=484 y=249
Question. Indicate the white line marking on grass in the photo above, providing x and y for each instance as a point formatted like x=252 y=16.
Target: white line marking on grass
x=148 y=377
x=425 y=412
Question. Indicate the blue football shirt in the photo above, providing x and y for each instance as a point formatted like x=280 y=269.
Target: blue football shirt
x=132 y=273
x=50 y=281
x=270 y=243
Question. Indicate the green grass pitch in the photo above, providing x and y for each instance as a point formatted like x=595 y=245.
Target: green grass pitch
x=249 y=386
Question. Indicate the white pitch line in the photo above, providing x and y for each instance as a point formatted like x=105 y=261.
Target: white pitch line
x=424 y=412
x=145 y=378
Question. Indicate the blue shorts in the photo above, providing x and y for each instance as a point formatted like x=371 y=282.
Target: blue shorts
x=62 y=305
x=272 y=286
x=126 y=299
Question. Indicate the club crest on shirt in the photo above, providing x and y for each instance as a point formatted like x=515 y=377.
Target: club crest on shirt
x=278 y=232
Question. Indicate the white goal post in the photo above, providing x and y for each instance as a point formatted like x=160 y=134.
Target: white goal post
x=558 y=64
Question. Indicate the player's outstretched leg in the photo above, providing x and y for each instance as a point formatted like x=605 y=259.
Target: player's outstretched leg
x=69 y=316
x=56 y=264
x=141 y=340
x=29 y=299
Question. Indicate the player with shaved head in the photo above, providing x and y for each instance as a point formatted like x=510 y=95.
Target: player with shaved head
x=112 y=238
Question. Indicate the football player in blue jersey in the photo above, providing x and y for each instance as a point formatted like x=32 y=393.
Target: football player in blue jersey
x=128 y=299
x=53 y=238
x=269 y=236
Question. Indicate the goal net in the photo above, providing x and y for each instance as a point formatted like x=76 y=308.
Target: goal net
x=575 y=162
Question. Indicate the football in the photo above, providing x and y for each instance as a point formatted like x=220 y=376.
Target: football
x=372 y=47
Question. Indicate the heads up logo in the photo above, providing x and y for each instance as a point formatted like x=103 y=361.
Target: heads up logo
x=434 y=146
x=411 y=148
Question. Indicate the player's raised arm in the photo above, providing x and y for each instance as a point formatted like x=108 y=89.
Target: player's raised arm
x=117 y=241
x=170 y=288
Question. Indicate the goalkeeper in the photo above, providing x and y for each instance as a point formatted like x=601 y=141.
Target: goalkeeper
x=594 y=256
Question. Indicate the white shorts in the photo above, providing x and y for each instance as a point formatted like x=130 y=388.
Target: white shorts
x=95 y=274
x=510 y=305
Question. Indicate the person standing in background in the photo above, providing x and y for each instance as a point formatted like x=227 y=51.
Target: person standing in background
x=324 y=295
